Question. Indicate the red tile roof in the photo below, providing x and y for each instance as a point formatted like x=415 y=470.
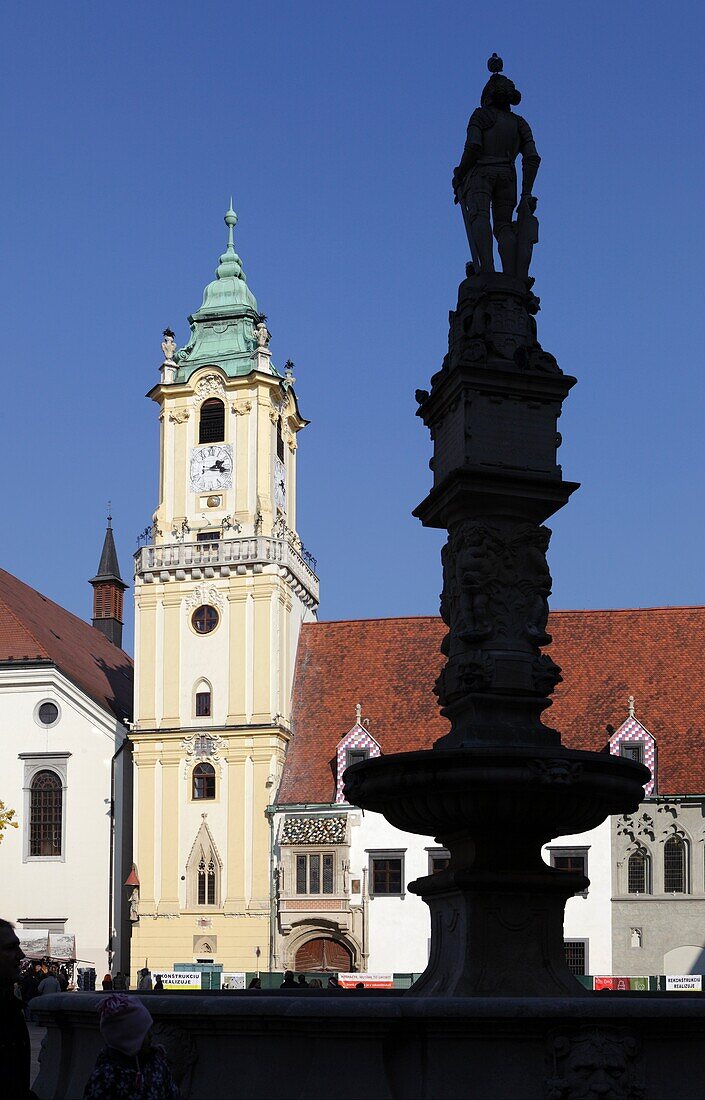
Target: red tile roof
x=389 y=665
x=34 y=628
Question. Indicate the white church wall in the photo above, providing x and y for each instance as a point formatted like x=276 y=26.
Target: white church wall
x=72 y=886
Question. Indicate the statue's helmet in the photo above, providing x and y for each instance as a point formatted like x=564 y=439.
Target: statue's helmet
x=501 y=90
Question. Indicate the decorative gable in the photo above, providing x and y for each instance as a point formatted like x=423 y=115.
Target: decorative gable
x=359 y=737
x=633 y=733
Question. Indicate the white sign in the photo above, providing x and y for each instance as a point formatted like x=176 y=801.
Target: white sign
x=179 y=979
x=232 y=980
x=681 y=982
x=370 y=981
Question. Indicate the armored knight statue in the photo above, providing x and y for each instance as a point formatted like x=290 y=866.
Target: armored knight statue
x=486 y=181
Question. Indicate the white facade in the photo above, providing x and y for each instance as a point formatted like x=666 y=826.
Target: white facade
x=588 y=919
x=69 y=890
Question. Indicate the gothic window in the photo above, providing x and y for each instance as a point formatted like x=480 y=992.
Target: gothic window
x=674 y=866
x=638 y=873
x=204 y=781
x=211 y=424
x=46 y=812
x=315 y=873
x=202 y=700
x=207 y=875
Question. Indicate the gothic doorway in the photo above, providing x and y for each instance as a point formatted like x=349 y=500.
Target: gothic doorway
x=323 y=955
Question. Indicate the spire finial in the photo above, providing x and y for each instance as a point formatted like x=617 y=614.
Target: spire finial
x=110 y=516
x=230 y=265
x=630 y=704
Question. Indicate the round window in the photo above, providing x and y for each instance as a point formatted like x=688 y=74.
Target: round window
x=48 y=714
x=204 y=619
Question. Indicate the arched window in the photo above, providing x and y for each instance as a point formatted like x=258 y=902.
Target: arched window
x=638 y=874
x=280 y=440
x=211 y=424
x=207 y=876
x=674 y=866
x=203 y=700
x=45 y=815
x=204 y=781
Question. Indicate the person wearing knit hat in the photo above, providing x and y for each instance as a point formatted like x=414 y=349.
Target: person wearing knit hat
x=130 y=1067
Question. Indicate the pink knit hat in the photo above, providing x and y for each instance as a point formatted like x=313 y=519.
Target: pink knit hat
x=124 y=1022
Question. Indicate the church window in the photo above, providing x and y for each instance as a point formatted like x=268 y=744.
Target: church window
x=315 y=873
x=204 y=781
x=674 y=866
x=46 y=814
x=211 y=425
x=203 y=704
x=206 y=880
x=47 y=714
x=280 y=440
x=204 y=619
x=638 y=873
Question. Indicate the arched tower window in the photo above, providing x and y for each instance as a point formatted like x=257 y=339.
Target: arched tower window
x=638 y=876
x=207 y=880
x=203 y=700
x=674 y=866
x=204 y=781
x=45 y=815
x=211 y=424
x=280 y=440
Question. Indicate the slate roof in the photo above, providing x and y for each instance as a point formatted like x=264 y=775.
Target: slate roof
x=34 y=628
x=389 y=666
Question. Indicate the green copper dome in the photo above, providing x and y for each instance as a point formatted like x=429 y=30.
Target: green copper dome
x=223 y=329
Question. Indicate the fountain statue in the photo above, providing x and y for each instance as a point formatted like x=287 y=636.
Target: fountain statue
x=499 y=784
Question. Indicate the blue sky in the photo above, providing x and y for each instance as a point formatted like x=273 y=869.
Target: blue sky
x=127 y=126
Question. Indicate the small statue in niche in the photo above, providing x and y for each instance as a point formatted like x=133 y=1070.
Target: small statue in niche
x=168 y=346
x=486 y=181
x=134 y=905
x=636 y=937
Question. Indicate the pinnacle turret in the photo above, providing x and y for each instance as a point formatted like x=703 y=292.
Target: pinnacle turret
x=108 y=589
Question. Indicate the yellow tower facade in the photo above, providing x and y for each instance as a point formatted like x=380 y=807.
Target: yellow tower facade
x=222 y=586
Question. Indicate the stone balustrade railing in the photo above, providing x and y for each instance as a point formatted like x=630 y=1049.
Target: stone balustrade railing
x=177 y=560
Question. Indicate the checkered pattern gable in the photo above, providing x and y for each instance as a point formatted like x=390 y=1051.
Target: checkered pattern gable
x=357 y=738
x=632 y=731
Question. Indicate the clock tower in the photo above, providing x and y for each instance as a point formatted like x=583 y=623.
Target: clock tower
x=222 y=586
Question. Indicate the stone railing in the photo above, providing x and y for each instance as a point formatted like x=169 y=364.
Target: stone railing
x=177 y=560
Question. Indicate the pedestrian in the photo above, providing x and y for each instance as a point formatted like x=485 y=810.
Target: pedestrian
x=14 y=1037
x=255 y=983
x=288 y=982
x=107 y=982
x=63 y=979
x=119 y=983
x=158 y=984
x=29 y=988
x=333 y=982
x=130 y=1065
x=316 y=983
x=303 y=984
x=49 y=984
x=145 y=979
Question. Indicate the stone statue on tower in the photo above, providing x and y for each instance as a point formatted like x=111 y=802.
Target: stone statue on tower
x=485 y=181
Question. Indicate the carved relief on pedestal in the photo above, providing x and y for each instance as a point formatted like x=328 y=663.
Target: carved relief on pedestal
x=593 y=1062
x=496 y=584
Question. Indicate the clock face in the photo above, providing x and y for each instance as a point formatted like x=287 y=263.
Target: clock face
x=211 y=467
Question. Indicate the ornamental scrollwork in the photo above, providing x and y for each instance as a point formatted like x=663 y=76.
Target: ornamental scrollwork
x=210 y=385
x=205 y=594
x=178 y=416
x=241 y=407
